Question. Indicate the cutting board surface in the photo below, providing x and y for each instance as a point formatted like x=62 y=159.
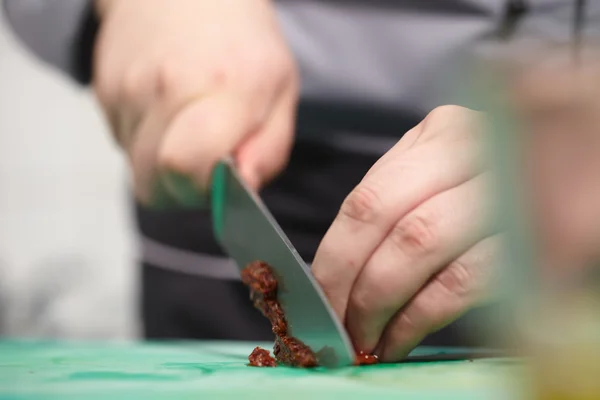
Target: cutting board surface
x=198 y=370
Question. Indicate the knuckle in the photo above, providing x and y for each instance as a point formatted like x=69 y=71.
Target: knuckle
x=415 y=235
x=363 y=204
x=219 y=77
x=456 y=279
x=461 y=120
x=320 y=272
x=445 y=111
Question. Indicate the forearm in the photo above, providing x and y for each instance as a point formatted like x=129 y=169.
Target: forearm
x=60 y=32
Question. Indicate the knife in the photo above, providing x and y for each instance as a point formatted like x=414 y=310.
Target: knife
x=247 y=231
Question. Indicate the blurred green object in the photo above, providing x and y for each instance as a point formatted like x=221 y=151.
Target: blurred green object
x=198 y=370
x=557 y=327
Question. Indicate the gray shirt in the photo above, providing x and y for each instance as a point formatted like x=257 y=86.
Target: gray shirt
x=389 y=53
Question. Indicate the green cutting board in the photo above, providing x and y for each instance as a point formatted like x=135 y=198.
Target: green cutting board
x=200 y=370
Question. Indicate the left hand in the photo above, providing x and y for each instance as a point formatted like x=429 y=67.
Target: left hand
x=412 y=246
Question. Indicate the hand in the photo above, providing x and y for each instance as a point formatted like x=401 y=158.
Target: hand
x=187 y=82
x=412 y=246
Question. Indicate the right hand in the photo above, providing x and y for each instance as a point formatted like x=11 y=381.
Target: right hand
x=184 y=83
x=414 y=245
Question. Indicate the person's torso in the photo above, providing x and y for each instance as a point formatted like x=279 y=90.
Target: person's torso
x=393 y=52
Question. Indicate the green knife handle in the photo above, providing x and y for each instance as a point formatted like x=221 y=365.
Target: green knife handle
x=217 y=195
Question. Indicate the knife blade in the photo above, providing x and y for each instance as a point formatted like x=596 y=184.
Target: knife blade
x=248 y=232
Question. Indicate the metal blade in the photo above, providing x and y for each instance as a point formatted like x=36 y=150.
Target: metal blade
x=248 y=232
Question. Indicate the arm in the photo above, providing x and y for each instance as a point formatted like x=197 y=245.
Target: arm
x=60 y=32
x=180 y=91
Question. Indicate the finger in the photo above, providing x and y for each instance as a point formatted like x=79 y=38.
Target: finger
x=136 y=95
x=120 y=84
x=263 y=155
x=371 y=210
x=143 y=147
x=142 y=154
x=466 y=123
x=174 y=84
x=419 y=245
x=463 y=284
x=162 y=150
x=203 y=132
x=106 y=93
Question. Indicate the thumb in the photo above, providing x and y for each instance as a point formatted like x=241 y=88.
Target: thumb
x=262 y=156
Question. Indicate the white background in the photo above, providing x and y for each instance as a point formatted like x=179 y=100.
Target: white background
x=67 y=254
